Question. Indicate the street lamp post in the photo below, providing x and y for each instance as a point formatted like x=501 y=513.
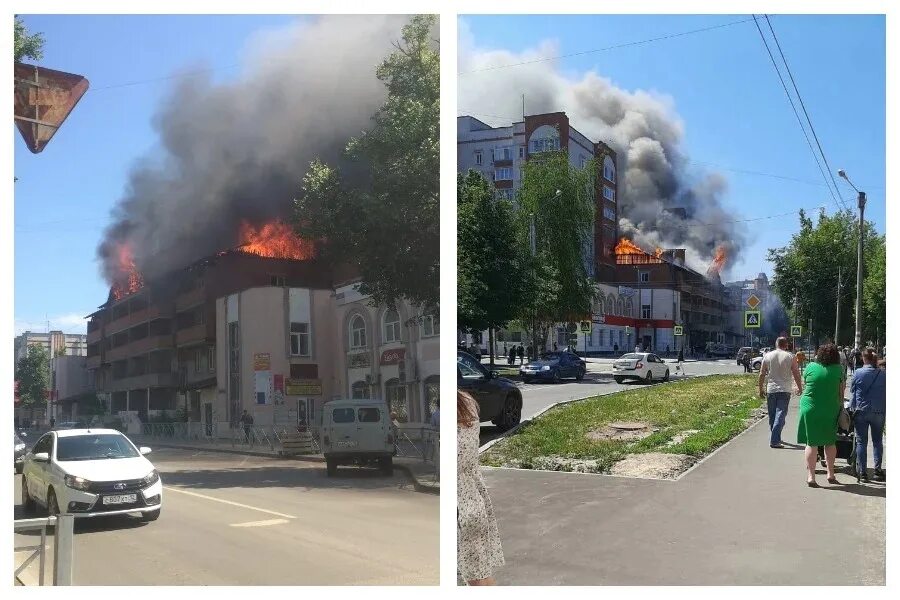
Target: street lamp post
x=861 y=203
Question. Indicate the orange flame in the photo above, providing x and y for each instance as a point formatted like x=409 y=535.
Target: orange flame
x=131 y=279
x=658 y=252
x=628 y=247
x=718 y=262
x=274 y=240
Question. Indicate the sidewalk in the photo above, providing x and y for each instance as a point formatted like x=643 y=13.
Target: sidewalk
x=421 y=474
x=744 y=516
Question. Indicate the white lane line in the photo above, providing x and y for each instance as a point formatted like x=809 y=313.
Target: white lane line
x=205 y=497
x=260 y=523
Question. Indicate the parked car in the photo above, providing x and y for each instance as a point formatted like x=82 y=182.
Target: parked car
x=20 y=449
x=746 y=350
x=68 y=425
x=499 y=400
x=357 y=432
x=642 y=366
x=91 y=473
x=756 y=363
x=554 y=366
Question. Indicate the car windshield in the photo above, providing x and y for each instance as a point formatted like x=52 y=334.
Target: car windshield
x=631 y=356
x=94 y=447
x=551 y=356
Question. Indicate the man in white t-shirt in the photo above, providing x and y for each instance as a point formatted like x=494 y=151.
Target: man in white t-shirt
x=778 y=368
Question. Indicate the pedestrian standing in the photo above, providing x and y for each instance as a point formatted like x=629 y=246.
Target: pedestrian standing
x=521 y=354
x=247 y=422
x=868 y=394
x=512 y=355
x=478 y=550
x=679 y=366
x=555 y=347
x=616 y=349
x=637 y=348
x=667 y=350
x=745 y=360
x=777 y=370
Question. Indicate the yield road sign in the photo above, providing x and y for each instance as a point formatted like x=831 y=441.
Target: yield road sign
x=752 y=319
x=796 y=330
x=753 y=301
x=679 y=330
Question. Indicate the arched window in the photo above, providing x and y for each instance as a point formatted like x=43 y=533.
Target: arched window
x=601 y=306
x=358 y=332
x=609 y=169
x=629 y=308
x=621 y=307
x=391 y=329
x=395 y=393
x=432 y=395
x=360 y=390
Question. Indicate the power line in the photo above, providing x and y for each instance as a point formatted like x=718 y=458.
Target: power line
x=796 y=114
x=165 y=78
x=615 y=47
x=803 y=106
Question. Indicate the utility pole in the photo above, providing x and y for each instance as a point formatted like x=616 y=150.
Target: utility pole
x=861 y=203
x=837 y=315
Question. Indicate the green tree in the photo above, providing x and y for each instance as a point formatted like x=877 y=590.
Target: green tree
x=26 y=46
x=389 y=229
x=561 y=198
x=807 y=270
x=488 y=260
x=32 y=375
x=874 y=288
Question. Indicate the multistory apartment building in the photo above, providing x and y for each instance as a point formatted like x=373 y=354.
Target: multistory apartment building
x=53 y=342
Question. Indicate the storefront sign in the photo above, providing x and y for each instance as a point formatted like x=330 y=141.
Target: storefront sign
x=279 y=383
x=393 y=357
x=359 y=360
x=303 y=387
x=262 y=362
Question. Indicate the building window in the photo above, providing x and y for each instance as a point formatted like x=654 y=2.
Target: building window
x=521 y=151
x=609 y=169
x=211 y=359
x=478 y=157
x=358 y=332
x=609 y=213
x=609 y=193
x=584 y=161
x=503 y=174
x=234 y=372
x=432 y=395
x=395 y=393
x=300 y=339
x=620 y=305
x=430 y=326
x=504 y=153
x=544 y=145
x=360 y=390
x=391 y=327
x=198 y=366
x=278 y=281
x=644 y=276
x=629 y=308
x=645 y=311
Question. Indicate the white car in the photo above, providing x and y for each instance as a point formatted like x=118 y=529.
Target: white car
x=91 y=473
x=643 y=366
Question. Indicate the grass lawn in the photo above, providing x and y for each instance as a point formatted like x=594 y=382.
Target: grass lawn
x=717 y=407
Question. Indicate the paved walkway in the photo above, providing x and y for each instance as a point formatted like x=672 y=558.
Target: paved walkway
x=742 y=517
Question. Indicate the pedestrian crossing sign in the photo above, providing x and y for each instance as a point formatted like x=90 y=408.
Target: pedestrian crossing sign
x=585 y=326
x=752 y=319
x=679 y=330
x=796 y=330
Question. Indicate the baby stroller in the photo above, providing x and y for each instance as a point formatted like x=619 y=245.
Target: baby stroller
x=846 y=444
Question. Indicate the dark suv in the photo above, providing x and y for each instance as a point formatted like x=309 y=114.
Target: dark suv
x=499 y=400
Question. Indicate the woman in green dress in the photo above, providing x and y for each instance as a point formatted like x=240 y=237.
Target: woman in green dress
x=820 y=406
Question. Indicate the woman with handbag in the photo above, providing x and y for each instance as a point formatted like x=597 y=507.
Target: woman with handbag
x=820 y=407
x=478 y=551
x=868 y=390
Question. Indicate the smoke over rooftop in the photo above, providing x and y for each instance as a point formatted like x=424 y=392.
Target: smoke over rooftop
x=236 y=152
x=660 y=203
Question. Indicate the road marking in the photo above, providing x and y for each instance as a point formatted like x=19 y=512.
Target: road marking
x=214 y=499
x=260 y=523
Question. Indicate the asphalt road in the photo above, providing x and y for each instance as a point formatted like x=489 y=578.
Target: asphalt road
x=598 y=382
x=243 y=520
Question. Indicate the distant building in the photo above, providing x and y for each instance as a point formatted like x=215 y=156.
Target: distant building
x=53 y=342
x=70 y=382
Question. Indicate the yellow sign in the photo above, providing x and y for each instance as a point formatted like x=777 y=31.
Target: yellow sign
x=753 y=301
x=262 y=362
x=303 y=387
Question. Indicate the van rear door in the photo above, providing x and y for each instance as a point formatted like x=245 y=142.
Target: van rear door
x=372 y=428
x=343 y=428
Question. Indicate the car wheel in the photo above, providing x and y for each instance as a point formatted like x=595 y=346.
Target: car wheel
x=330 y=467
x=666 y=377
x=150 y=516
x=511 y=415
x=52 y=505
x=580 y=375
x=27 y=501
x=649 y=378
x=619 y=379
x=387 y=466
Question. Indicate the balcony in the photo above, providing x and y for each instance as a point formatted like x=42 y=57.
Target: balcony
x=93 y=362
x=148 y=380
x=138 y=347
x=196 y=335
x=152 y=312
x=94 y=336
x=190 y=298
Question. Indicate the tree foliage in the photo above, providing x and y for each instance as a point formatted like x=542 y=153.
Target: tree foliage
x=807 y=270
x=557 y=278
x=32 y=374
x=488 y=257
x=25 y=45
x=389 y=228
x=874 y=288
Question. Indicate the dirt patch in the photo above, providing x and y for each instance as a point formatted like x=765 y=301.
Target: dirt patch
x=681 y=437
x=621 y=432
x=560 y=463
x=653 y=465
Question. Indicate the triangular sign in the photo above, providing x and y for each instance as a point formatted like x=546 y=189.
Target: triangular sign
x=43 y=99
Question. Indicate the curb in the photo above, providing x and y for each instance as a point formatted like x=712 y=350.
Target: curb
x=417 y=484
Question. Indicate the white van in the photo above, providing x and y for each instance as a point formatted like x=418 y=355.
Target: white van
x=357 y=432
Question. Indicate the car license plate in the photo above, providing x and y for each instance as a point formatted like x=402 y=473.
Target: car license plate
x=345 y=444
x=120 y=499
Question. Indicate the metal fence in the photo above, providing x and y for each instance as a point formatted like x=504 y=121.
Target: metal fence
x=63 y=547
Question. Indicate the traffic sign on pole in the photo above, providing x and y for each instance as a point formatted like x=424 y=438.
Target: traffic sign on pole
x=796 y=330
x=585 y=326
x=679 y=330
x=752 y=319
x=753 y=301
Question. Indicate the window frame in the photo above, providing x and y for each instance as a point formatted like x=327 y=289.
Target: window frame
x=392 y=326
x=300 y=335
x=479 y=157
x=352 y=330
x=498 y=171
x=609 y=193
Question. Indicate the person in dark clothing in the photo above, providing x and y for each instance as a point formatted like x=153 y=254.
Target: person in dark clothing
x=615 y=348
x=512 y=355
x=746 y=362
x=247 y=423
x=530 y=352
x=521 y=354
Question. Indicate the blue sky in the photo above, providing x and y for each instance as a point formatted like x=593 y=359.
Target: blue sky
x=735 y=114
x=64 y=195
